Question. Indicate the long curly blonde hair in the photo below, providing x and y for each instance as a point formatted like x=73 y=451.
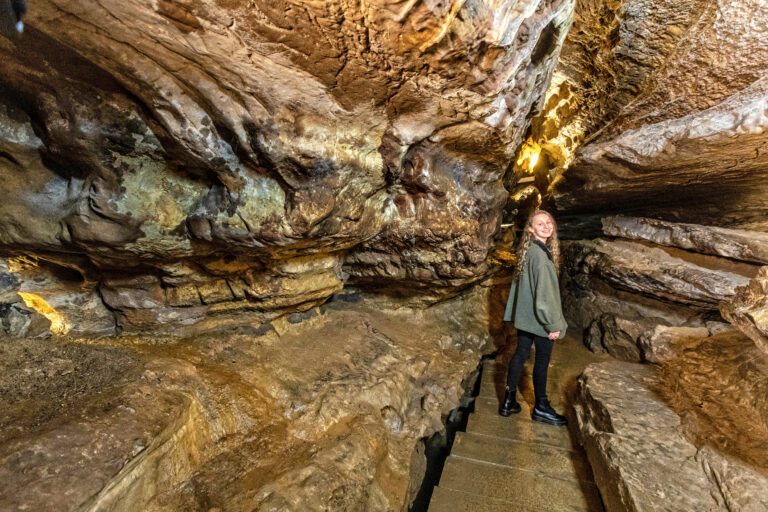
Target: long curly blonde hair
x=553 y=244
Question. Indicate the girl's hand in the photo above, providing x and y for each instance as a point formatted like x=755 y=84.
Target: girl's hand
x=554 y=335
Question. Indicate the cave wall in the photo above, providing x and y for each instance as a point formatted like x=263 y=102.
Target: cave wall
x=658 y=109
x=197 y=160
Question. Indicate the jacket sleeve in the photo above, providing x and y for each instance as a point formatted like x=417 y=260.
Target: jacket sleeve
x=546 y=295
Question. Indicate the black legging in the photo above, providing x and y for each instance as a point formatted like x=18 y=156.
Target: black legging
x=543 y=351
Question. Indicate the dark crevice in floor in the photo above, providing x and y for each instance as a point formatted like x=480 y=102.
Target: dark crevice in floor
x=438 y=447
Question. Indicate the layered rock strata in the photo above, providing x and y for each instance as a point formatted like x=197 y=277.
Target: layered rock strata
x=197 y=160
x=324 y=410
x=688 y=431
x=649 y=118
x=623 y=293
x=666 y=439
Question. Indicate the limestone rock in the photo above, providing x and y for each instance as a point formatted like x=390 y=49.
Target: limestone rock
x=664 y=343
x=632 y=433
x=375 y=134
x=670 y=165
x=640 y=339
x=748 y=309
x=611 y=54
x=737 y=244
x=322 y=411
x=617 y=336
x=632 y=442
x=671 y=274
x=625 y=114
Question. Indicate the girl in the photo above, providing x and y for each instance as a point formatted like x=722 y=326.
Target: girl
x=534 y=307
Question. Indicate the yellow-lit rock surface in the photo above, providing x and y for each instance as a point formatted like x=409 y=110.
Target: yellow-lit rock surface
x=150 y=145
x=658 y=108
x=323 y=411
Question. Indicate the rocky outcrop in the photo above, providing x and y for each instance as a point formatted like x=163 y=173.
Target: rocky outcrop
x=690 y=430
x=324 y=410
x=736 y=244
x=670 y=274
x=649 y=450
x=748 y=309
x=672 y=163
x=192 y=159
x=635 y=135
x=632 y=298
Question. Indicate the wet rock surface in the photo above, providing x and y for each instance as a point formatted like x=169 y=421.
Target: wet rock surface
x=192 y=160
x=324 y=413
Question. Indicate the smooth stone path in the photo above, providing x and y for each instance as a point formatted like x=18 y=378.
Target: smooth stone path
x=514 y=463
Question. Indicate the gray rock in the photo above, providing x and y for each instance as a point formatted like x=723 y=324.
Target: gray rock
x=671 y=274
x=640 y=458
x=617 y=336
x=738 y=244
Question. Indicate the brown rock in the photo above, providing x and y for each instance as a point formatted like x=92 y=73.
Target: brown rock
x=664 y=343
x=43 y=298
x=617 y=336
x=324 y=413
x=258 y=139
x=636 y=137
x=748 y=309
x=671 y=274
x=632 y=426
x=737 y=244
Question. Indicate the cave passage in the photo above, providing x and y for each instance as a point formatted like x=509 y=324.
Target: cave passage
x=256 y=255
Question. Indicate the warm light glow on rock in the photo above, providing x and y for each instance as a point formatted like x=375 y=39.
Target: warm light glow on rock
x=525 y=192
x=19 y=264
x=59 y=323
x=529 y=156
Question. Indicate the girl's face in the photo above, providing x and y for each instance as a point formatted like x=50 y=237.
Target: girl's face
x=542 y=227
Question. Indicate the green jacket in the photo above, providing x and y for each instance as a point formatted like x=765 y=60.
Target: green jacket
x=534 y=302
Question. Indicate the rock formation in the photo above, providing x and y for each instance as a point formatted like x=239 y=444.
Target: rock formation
x=322 y=410
x=202 y=160
x=199 y=178
x=650 y=118
x=261 y=235
x=656 y=439
x=748 y=309
x=629 y=296
x=699 y=410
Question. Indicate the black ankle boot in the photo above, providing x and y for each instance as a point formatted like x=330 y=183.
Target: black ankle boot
x=544 y=413
x=509 y=405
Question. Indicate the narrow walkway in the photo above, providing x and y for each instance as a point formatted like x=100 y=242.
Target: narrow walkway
x=503 y=464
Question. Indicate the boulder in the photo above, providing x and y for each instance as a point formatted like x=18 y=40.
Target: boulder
x=663 y=343
x=642 y=459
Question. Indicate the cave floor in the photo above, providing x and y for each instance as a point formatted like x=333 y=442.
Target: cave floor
x=513 y=463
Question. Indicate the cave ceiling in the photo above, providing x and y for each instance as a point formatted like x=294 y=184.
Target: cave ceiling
x=659 y=109
x=181 y=154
